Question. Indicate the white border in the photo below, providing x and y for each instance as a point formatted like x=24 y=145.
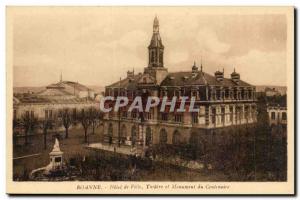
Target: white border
x=5 y=3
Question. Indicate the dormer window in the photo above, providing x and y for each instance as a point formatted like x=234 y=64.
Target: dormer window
x=235 y=77
x=219 y=75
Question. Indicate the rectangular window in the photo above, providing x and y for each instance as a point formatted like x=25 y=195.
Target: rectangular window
x=148 y=115
x=223 y=115
x=133 y=114
x=206 y=115
x=178 y=117
x=164 y=116
x=50 y=114
x=247 y=112
x=222 y=94
x=284 y=117
x=32 y=114
x=27 y=113
x=238 y=113
x=46 y=114
x=273 y=115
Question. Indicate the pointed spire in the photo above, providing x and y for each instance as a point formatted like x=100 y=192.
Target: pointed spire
x=155 y=25
x=155 y=48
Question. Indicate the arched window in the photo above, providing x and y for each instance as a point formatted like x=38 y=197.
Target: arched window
x=148 y=136
x=176 y=137
x=163 y=137
x=133 y=135
x=161 y=57
x=152 y=55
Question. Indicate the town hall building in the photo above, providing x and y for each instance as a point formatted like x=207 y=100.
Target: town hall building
x=224 y=104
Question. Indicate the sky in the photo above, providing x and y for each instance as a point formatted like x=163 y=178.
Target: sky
x=97 y=46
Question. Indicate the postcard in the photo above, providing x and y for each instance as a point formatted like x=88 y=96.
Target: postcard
x=150 y=100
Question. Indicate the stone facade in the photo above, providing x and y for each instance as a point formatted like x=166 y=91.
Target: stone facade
x=223 y=103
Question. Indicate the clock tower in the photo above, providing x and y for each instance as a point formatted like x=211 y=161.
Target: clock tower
x=156 y=55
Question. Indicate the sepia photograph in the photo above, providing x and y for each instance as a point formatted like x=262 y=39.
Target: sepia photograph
x=150 y=100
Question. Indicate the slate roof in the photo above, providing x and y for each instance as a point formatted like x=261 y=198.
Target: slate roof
x=130 y=82
x=182 y=79
x=54 y=92
x=64 y=84
x=156 y=41
x=199 y=78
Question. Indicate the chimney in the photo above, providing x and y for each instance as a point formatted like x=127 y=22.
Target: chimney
x=235 y=76
x=219 y=75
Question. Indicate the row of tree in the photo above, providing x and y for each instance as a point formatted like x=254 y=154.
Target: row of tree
x=88 y=118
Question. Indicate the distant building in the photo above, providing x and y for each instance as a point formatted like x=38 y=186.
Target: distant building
x=271 y=91
x=45 y=104
x=277 y=114
x=278 y=120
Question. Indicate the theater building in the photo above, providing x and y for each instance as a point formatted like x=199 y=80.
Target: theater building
x=46 y=103
x=224 y=104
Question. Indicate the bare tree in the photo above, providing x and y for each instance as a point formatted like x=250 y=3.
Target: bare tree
x=29 y=123
x=85 y=120
x=95 y=118
x=66 y=118
x=46 y=124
